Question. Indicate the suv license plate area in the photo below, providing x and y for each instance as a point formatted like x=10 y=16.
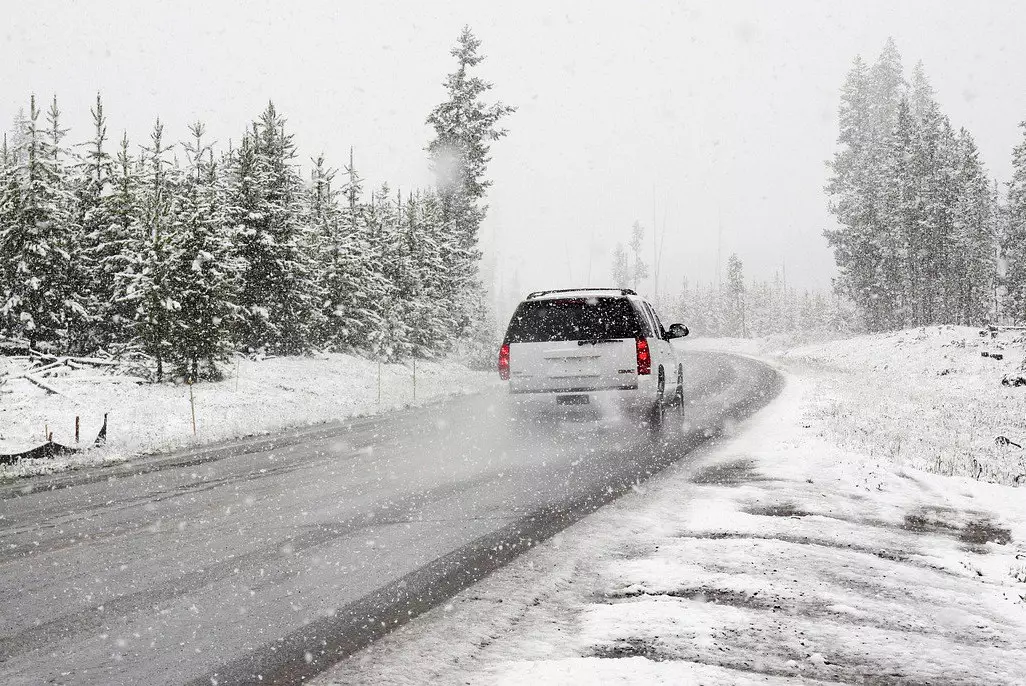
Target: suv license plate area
x=573 y=400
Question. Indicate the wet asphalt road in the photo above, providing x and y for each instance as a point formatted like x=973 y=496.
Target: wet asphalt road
x=267 y=560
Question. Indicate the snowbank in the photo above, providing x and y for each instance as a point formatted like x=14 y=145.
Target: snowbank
x=787 y=554
x=761 y=346
x=258 y=397
x=927 y=398
x=930 y=398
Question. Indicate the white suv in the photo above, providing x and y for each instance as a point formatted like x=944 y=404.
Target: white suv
x=595 y=346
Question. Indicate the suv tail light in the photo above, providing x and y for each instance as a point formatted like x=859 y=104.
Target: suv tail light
x=504 y=362
x=644 y=357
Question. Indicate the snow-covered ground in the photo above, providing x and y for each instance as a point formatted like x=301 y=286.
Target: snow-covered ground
x=259 y=396
x=806 y=548
x=926 y=398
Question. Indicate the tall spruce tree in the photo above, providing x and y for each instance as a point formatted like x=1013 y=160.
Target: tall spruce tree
x=621 y=274
x=971 y=268
x=10 y=207
x=639 y=270
x=387 y=340
x=423 y=281
x=465 y=126
x=361 y=284
x=915 y=239
x=278 y=293
x=326 y=223
x=116 y=251
x=1014 y=235
x=75 y=279
x=37 y=229
x=152 y=254
x=103 y=238
x=204 y=272
x=851 y=192
x=897 y=239
x=735 y=296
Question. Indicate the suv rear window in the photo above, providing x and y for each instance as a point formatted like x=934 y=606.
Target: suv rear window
x=573 y=319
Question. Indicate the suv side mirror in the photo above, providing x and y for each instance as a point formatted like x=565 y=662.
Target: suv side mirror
x=677 y=331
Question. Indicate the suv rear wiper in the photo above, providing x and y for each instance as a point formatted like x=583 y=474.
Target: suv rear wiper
x=596 y=341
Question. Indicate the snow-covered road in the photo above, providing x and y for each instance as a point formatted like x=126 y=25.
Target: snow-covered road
x=277 y=557
x=798 y=550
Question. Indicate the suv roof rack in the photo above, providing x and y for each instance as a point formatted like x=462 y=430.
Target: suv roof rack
x=621 y=291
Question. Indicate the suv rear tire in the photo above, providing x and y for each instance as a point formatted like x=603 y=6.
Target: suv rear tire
x=657 y=415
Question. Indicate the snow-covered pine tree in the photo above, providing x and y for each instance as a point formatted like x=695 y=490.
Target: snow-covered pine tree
x=402 y=274
x=887 y=88
x=152 y=254
x=760 y=311
x=16 y=144
x=639 y=270
x=352 y=284
x=870 y=102
x=465 y=126
x=416 y=279
x=387 y=340
x=907 y=194
x=970 y=265
x=1014 y=236
x=925 y=227
x=621 y=268
x=853 y=241
x=937 y=162
x=887 y=85
x=103 y=238
x=431 y=319
x=999 y=224
x=37 y=229
x=243 y=210
x=714 y=310
x=735 y=298
x=10 y=203
x=278 y=293
x=116 y=247
x=326 y=224
x=683 y=308
x=899 y=241
x=204 y=273
x=76 y=313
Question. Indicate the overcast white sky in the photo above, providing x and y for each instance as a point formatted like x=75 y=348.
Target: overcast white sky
x=716 y=113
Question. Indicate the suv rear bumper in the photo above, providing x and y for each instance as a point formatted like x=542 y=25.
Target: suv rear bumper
x=602 y=401
x=633 y=386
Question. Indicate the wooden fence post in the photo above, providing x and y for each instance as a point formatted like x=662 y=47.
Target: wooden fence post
x=192 y=404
